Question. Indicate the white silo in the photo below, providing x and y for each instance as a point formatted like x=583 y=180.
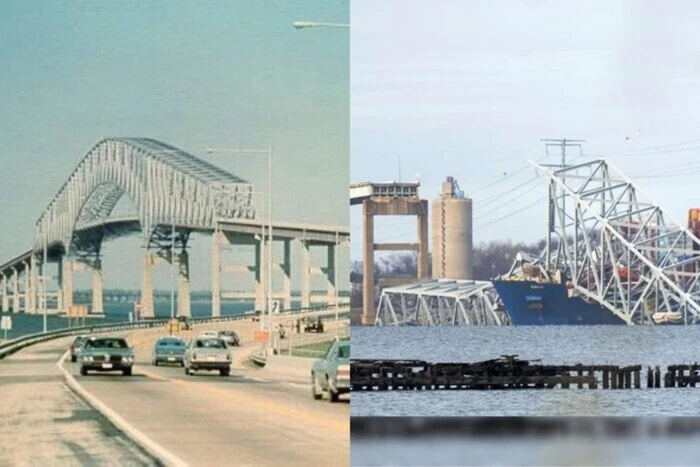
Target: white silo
x=452 y=233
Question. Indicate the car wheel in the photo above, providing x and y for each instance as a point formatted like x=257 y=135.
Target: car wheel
x=332 y=395
x=126 y=372
x=83 y=371
x=187 y=370
x=225 y=372
x=315 y=393
x=73 y=358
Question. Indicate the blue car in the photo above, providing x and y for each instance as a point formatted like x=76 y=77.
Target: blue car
x=169 y=350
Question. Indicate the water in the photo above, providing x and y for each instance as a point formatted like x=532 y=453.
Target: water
x=619 y=345
x=116 y=312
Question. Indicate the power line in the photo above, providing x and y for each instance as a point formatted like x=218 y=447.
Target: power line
x=510 y=214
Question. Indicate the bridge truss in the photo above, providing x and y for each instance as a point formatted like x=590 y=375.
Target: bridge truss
x=618 y=248
x=167 y=186
x=441 y=302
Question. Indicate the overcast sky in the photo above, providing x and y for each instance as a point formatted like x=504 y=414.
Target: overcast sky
x=468 y=89
x=192 y=74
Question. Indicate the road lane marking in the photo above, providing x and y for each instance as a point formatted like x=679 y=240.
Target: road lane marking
x=266 y=405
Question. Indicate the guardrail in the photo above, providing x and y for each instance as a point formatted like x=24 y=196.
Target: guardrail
x=10 y=347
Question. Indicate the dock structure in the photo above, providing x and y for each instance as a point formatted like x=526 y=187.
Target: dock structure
x=506 y=372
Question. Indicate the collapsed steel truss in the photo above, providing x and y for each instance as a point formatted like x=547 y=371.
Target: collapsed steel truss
x=617 y=247
x=437 y=302
x=167 y=186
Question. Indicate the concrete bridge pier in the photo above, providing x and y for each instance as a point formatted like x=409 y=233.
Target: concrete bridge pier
x=5 y=301
x=260 y=271
x=217 y=239
x=97 y=288
x=305 y=274
x=147 y=286
x=31 y=288
x=286 y=268
x=15 y=290
x=329 y=271
x=183 y=295
x=66 y=285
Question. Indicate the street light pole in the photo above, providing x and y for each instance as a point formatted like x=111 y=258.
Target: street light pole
x=270 y=240
x=310 y=24
x=43 y=276
x=172 y=271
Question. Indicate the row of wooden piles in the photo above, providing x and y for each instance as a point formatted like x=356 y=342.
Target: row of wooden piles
x=508 y=372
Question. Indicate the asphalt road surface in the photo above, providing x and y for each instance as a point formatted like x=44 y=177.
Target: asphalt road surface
x=206 y=419
x=43 y=423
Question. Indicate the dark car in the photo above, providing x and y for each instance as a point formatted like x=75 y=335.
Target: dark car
x=231 y=338
x=76 y=347
x=106 y=354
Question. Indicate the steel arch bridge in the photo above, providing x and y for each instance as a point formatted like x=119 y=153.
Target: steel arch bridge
x=175 y=194
x=167 y=186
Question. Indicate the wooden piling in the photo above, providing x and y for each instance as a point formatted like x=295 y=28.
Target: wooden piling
x=606 y=379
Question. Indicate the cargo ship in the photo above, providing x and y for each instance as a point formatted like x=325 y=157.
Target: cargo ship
x=531 y=297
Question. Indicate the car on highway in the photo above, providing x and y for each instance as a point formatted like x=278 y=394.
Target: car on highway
x=331 y=373
x=169 y=350
x=106 y=354
x=76 y=347
x=208 y=353
x=231 y=337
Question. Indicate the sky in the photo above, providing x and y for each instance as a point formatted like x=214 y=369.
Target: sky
x=468 y=89
x=194 y=74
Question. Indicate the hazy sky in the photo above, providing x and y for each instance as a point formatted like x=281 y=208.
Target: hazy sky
x=454 y=86
x=192 y=74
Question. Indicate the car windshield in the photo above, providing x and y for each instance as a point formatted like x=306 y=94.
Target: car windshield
x=107 y=344
x=210 y=344
x=171 y=342
x=344 y=351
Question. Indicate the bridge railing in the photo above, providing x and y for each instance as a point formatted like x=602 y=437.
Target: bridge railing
x=14 y=345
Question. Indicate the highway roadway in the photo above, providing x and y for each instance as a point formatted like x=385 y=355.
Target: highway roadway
x=243 y=419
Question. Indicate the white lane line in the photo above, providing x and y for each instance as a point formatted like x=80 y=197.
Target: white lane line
x=153 y=448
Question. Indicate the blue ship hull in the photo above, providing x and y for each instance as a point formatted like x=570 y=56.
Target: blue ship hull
x=530 y=303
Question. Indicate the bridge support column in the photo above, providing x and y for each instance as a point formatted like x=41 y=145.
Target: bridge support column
x=259 y=271
x=368 y=311
x=5 y=301
x=216 y=240
x=26 y=306
x=286 y=268
x=305 y=274
x=331 y=286
x=147 y=287
x=183 y=294
x=97 y=288
x=67 y=284
x=33 y=286
x=423 y=242
x=15 y=290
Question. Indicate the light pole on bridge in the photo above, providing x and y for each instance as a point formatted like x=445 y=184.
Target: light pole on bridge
x=267 y=151
x=311 y=24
